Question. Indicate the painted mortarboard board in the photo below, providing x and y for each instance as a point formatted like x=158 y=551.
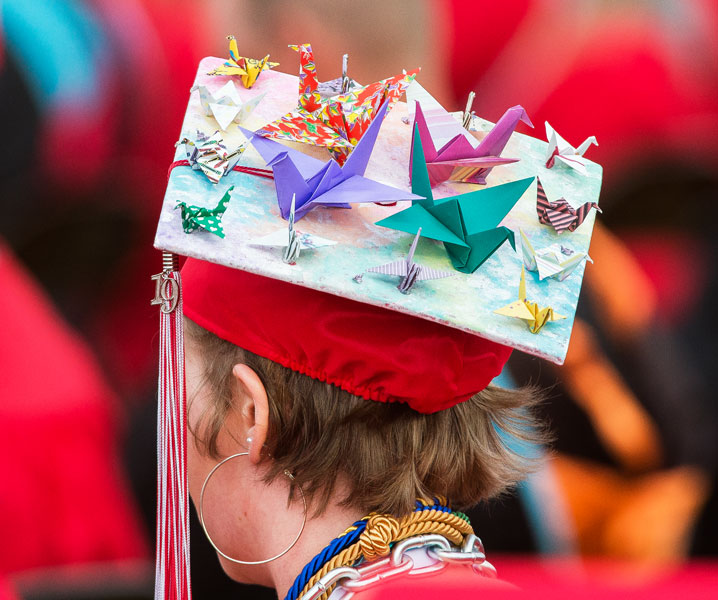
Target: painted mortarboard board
x=466 y=301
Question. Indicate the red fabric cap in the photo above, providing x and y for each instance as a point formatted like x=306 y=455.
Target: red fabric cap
x=372 y=352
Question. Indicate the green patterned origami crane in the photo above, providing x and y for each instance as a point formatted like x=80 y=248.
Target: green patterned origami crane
x=209 y=219
x=467 y=223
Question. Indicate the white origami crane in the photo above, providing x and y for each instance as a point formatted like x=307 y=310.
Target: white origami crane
x=560 y=149
x=210 y=155
x=557 y=261
x=409 y=271
x=291 y=240
x=225 y=105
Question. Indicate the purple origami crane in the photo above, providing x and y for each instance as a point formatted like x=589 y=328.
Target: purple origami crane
x=458 y=160
x=316 y=183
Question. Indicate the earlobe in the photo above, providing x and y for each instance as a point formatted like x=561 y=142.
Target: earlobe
x=254 y=408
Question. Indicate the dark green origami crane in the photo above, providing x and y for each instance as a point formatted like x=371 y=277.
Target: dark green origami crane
x=209 y=219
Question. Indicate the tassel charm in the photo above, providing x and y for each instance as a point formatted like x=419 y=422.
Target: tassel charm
x=166 y=285
x=172 y=577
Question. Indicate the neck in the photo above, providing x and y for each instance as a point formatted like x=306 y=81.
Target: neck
x=273 y=524
x=318 y=532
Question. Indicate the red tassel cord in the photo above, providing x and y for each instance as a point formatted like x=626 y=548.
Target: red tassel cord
x=172 y=576
x=266 y=173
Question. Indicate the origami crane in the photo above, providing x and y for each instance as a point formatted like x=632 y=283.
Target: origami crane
x=340 y=85
x=530 y=312
x=409 y=271
x=458 y=159
x=467 y=224
x=337 y=122
x=316 y=183
x=560 y=149
x=555 y=261
x=225 y=105
x=310 y=88
x=291 y=240
x=209 y=219
x=248 y=69
x=559 y=213
x=210 y=155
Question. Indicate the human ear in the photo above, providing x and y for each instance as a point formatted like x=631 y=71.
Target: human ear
x=253 y=408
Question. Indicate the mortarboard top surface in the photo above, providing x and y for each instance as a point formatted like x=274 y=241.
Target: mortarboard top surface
x=464 y=301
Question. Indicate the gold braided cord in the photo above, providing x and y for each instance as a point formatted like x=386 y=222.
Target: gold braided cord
x=380 y=531
x=438 y=516
x=450 y=533
x=383 y=530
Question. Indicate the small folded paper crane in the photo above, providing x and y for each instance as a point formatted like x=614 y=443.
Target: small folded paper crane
x=316 y=183
x=310 y=88
x=248 y=69
x=467 y=223
x=557 y=261
x=559 y=214
x=291 y=240
x=210 y=155
x=340 y=85
x=225 y=105
x=336 y=122
x=457 y=159
x=409 y=271
x=210 y=219
x=559 y=149
x=530 y=312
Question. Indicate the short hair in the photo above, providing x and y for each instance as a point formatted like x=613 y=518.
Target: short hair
x=390 y=454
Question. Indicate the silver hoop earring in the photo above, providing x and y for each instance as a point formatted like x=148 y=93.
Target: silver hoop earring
x=206 y=533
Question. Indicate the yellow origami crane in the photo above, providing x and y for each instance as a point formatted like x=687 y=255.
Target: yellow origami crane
x=247 y=68
x=530 y=312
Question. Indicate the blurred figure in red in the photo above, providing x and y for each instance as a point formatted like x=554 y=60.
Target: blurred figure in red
x=634 y=413
x=63 y=497
x=83 y=85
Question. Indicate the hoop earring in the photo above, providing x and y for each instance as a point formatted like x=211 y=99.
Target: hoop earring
x=236 y=560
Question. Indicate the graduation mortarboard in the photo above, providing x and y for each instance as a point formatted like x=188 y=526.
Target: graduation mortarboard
x=430 y=348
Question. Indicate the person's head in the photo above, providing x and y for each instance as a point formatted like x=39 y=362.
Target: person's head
x=385 y=454
x=367 y=408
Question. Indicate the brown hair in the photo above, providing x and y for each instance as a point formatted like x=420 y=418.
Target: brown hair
x=389 y=453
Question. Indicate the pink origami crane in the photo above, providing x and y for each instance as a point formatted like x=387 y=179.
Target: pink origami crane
x=337 y=122
x=457 y=159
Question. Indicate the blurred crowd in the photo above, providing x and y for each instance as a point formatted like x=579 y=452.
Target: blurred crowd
x=92 y=96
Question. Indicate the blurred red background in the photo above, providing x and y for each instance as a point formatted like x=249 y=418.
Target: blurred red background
x=93 y=95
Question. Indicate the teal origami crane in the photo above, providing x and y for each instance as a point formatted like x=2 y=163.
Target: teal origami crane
x=467 y=223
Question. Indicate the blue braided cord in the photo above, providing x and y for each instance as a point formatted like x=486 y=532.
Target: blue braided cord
x=437 y=506
x=335 y=547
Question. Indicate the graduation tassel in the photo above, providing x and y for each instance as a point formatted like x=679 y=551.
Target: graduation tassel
x=172 y=576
